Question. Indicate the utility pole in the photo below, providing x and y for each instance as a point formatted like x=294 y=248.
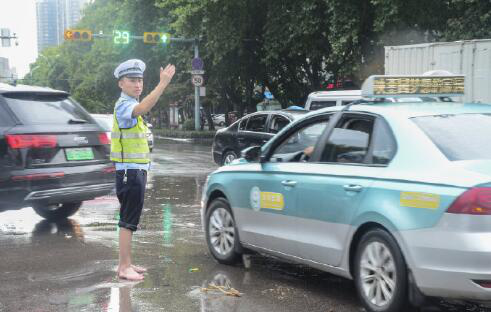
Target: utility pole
x=196 y=78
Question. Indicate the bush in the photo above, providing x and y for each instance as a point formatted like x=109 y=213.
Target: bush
x=188 y=124
x=175 y=133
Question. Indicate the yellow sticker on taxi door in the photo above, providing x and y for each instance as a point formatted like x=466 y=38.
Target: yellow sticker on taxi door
x=272 y=200
x=420 y=200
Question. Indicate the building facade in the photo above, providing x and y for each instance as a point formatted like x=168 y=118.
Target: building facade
x=6 y=74
x=53 y=17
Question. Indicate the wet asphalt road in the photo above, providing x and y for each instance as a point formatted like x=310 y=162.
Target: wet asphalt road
x=70 y=266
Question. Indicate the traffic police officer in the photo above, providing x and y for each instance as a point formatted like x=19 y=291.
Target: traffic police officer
x=130 y=152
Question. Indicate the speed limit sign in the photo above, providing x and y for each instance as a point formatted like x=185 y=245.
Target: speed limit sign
x=197 y=80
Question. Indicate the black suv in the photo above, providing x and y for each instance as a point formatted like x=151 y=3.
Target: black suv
x=53 y=155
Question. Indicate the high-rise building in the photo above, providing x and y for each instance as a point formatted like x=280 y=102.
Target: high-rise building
x=53 y=17
x=47 y=23
x=6 y=73
x=71 y=14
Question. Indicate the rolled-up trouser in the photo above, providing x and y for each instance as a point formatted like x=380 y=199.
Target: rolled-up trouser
x=131 y=195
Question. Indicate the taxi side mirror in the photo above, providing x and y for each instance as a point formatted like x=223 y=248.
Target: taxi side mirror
x=251 y=153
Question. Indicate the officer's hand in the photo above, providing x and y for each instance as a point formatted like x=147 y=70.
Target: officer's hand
x=167 y=74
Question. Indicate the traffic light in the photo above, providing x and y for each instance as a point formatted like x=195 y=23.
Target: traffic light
x=121 y=37
x=156 y=38
x=78 y=35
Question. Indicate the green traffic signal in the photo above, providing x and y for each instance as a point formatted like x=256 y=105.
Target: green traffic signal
x=156 y=38
x=121 y=37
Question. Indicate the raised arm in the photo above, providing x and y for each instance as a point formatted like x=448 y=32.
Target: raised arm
x=151 y=99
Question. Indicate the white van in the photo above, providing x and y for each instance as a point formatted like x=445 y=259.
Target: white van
x=321 y=99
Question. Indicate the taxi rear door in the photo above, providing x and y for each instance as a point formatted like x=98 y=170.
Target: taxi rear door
x=335 y=182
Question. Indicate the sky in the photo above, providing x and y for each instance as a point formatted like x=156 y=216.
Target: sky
x=20 y=17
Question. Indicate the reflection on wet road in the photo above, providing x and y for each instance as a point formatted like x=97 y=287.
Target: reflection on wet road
x=70 y=265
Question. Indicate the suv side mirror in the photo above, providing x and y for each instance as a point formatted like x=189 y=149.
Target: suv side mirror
x=251 y=153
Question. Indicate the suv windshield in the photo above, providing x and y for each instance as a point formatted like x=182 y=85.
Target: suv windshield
x=46 y=109
x=459 y=137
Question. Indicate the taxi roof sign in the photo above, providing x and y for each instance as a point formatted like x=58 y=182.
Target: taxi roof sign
x=413 y=86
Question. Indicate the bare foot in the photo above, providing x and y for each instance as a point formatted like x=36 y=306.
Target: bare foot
x=130 y=274
x=138 y=269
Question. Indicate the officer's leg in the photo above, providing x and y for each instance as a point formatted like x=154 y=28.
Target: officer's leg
x=127 y=190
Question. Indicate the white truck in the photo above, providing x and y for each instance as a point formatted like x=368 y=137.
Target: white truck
x=471 y=58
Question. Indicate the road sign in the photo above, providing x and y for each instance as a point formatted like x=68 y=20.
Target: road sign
x=197 y=64
x=197 y=72
x=197 y=80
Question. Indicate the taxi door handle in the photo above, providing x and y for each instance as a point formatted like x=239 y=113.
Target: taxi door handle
x=289 y=183
x=352 y=187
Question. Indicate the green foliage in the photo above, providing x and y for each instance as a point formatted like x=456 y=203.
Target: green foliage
x=184 y=134
x=290 y=47
x=188 y=124
x=85 y=70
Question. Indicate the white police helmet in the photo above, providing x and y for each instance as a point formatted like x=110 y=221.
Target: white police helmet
x=130 y=68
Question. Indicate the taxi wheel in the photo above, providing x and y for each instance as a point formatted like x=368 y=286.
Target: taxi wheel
x=380 y=273
x=56 y=211
x=221 y=233
x=228 y=157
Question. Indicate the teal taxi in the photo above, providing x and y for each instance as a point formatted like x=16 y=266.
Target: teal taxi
x=394 y=195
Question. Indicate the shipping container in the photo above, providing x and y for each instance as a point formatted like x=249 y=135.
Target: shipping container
x=471 y=58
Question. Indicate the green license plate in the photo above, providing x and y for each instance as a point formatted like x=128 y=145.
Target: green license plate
x=85 y=153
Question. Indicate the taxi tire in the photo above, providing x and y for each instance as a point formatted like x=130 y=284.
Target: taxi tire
x=399 y=301
x=233 y=256
x=62 y=212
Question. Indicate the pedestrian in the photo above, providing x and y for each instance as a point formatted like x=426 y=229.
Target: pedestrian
x=130 y=152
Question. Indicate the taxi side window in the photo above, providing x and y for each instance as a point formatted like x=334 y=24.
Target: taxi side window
x=383 y=145
x=257 y=123
x=298 y=141
x=349 y=141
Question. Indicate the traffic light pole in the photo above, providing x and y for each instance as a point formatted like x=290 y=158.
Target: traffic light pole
x=197 y=115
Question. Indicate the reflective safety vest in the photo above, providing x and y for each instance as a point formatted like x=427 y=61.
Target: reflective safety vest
x=130 y=145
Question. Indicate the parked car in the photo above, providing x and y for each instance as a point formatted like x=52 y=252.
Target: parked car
x=253 y=129
x=218 y=120
x=396 y=196
x=53 y=155
x=106 y=121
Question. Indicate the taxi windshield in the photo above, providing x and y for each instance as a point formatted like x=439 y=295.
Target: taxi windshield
x=459 y=137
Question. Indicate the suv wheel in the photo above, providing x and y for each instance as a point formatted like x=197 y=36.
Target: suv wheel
x=221 y=233
x=228 y=157
x=380 y=273
x=56 y=211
